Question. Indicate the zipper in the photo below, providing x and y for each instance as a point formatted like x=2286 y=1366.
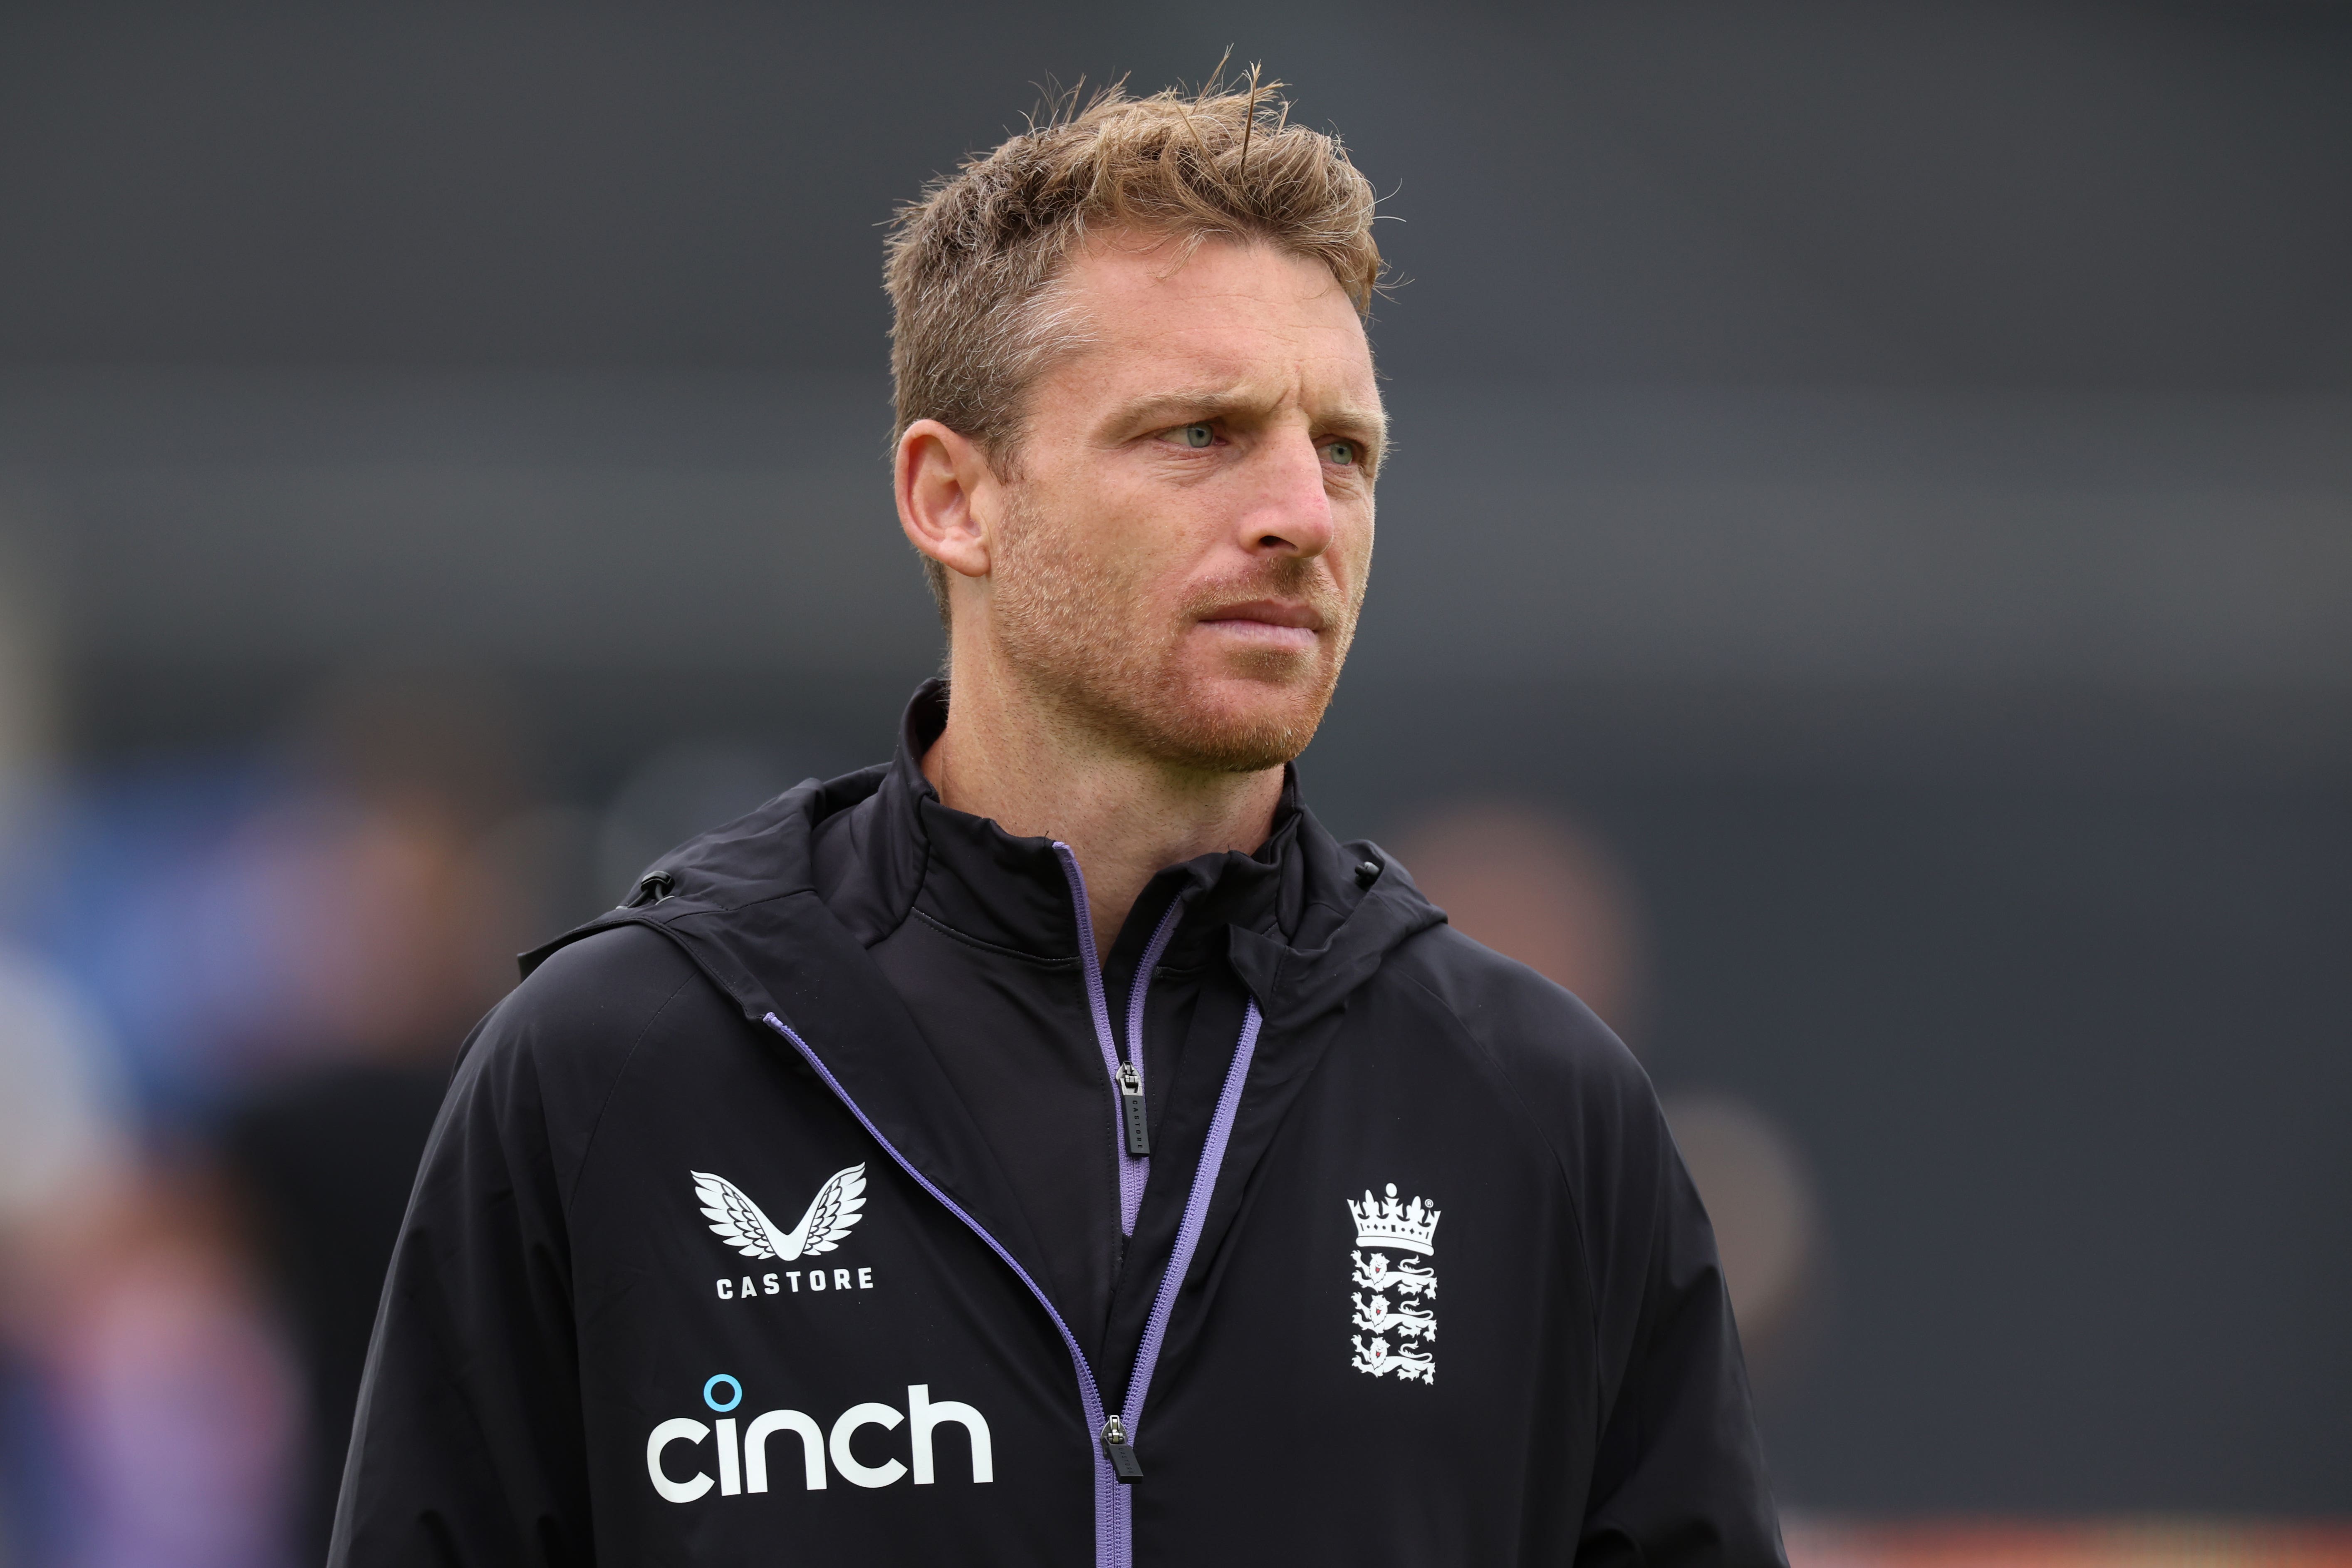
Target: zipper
x=1114 y=1513
x=1130 y=1128
x=1122 y=1453
x=1132 y=1121
x=1196 y=1217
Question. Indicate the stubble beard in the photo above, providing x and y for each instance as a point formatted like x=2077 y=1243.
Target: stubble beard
x=1077 y=640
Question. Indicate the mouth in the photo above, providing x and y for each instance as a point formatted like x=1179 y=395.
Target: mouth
x=1267 y=622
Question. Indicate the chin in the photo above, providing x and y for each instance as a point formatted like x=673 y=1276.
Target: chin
x=1181 y=702
x=1247 y=727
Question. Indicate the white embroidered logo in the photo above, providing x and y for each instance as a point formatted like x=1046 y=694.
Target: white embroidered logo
x=738 y=1221
x=1383 y=1227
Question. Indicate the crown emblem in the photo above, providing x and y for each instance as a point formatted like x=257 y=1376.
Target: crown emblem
x=1384 y=1221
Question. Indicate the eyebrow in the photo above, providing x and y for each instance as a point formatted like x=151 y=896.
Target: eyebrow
x=1171 y=408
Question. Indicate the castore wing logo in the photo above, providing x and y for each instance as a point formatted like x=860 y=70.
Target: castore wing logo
x=736 y=1220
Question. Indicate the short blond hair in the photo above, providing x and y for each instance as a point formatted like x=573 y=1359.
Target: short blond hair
x=971 y=266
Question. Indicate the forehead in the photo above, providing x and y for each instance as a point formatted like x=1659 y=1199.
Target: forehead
x=1230 y=314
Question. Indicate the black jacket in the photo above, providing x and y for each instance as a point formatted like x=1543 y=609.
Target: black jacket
x=755 y=1227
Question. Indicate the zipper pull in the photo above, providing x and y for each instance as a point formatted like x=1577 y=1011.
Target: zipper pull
x=1122 y=1458
x=1130 y=1110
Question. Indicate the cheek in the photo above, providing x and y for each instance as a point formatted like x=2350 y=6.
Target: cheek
x=1089 y=556
x=1351 y=544
x=1140 y=554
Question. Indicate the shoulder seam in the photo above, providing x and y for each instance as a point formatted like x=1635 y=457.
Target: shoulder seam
x=588 y=1148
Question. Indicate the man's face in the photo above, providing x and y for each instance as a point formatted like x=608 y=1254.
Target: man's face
x=1188 y=521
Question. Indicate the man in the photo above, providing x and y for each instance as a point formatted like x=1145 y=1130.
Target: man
x=1051 y=1146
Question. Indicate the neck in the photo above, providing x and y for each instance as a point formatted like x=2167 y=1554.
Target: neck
x=1125 y=816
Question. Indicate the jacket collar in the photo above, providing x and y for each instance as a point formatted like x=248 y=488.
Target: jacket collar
x=1305 y=921
x=902 y=851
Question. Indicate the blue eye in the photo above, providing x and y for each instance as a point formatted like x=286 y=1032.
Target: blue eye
x=1196 y=436
x=1340 y=452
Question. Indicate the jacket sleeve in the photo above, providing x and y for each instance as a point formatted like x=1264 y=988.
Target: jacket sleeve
x=1679 y=1477
x=468 y=1448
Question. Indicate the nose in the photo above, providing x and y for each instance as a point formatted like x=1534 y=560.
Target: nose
x=1290 y=508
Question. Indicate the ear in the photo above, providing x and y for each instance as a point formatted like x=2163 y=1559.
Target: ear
x=946 y=496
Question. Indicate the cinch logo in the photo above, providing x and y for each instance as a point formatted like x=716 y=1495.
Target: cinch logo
x=743 y=1463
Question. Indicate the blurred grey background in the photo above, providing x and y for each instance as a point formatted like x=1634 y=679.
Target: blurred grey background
x=1882 y=471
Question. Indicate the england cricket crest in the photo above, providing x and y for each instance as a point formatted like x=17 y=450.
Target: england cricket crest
x=1396 y=1330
